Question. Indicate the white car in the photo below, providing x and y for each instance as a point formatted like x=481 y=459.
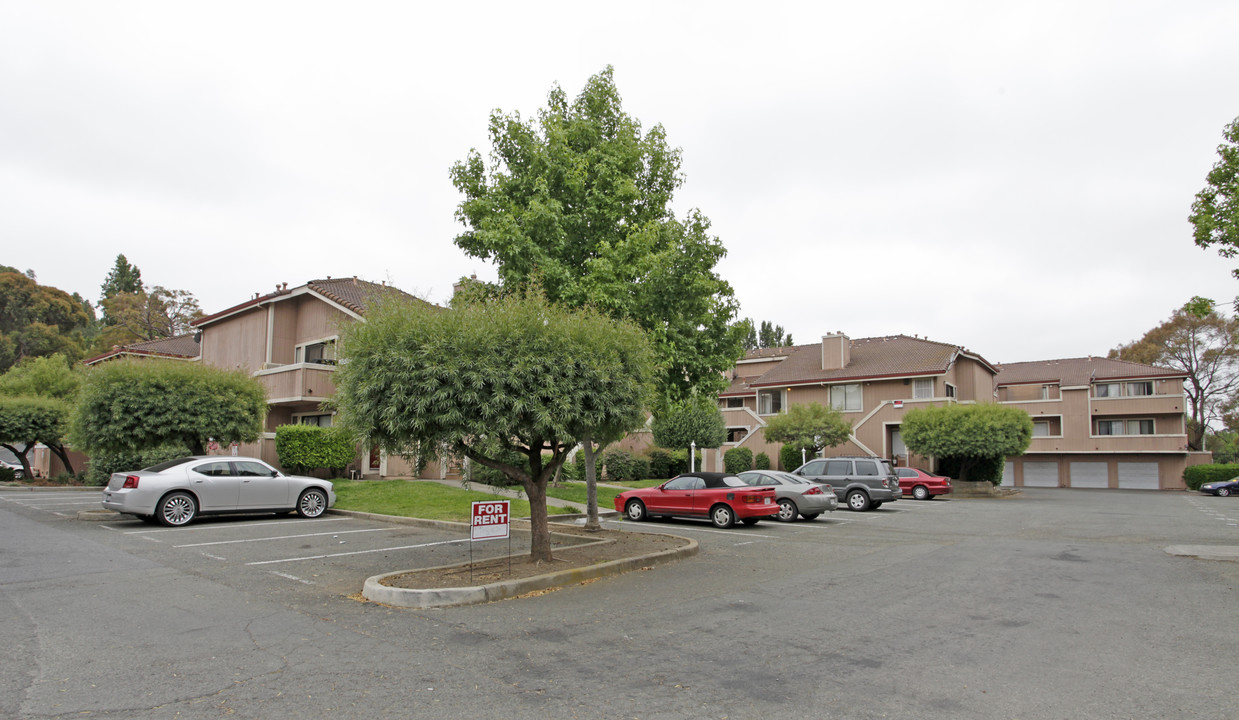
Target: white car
x=175 y=492
x=18 y=472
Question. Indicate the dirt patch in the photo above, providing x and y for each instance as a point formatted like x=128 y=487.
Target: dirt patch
x=571 y=548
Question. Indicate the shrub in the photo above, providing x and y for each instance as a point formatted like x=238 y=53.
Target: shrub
x=790 y=457
x=619 y=465
x=574 y=468
x=7 y=474
x=762 y=461
x=679 y=462
x=979 y=470
x=303 y=448
x=662 y=462
x=738 y=460
x=1198 y=475
x=102 y=465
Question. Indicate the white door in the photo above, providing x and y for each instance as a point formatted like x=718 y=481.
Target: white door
x=1139 y=476
x=1008 y=474
x=1090 y=475
x=1040 y=474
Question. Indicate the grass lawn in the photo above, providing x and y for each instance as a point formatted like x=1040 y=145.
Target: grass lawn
x=429 y=500
x=574 y=491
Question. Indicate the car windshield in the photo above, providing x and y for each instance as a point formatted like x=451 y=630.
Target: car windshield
x=791 y=479
x=167 y=464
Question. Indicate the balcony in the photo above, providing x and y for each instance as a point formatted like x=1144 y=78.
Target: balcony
x=1141 y=405
x=298 y=382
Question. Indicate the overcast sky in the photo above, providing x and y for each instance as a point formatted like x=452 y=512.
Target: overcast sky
x=1010 y=177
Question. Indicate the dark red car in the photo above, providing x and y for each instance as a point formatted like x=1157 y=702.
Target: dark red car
x=922 y=485
x=722 y=498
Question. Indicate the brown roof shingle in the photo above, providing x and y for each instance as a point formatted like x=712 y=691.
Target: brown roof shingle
x=1078 y=371
x=878 y=357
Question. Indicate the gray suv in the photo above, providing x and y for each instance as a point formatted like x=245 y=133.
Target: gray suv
x=862 y=483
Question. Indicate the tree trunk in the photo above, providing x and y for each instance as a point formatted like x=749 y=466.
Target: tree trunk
x=540 y=531
x=591 y=487
x=21 y=457
x=64 y=457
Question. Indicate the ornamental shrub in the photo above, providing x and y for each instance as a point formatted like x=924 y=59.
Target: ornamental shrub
x=303 y=448
x=662 y=463
x=789 y=457
x=619 y=465
x=979 y=469
x=762 y=461
x=103 y=464
x=7 y=474
x=738 y=460
x=1198 y=475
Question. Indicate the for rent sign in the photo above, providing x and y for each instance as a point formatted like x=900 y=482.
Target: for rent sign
x=490 y=520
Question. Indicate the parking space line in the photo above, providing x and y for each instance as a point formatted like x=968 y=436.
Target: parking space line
x=281 y=537
x=358 y=552
x=701 y=529
x=268 y=523
x=292 y=577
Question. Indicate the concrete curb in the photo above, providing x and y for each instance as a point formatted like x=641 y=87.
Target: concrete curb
x=376 y=591
x=1205 y=552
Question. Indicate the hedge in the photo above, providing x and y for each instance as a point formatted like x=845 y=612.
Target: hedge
x=1198 y=475
x=303 y=448
x=762 y=461
x=619 y=465
x=103 y=464
x=738 y=460
x=789 y=457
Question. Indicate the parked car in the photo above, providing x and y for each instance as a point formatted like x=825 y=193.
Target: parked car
x=1221 y=488
x=922 y=485
x=177 y=491
x=723 y=498
x=795 y=496
x=18 y=471
x=864 y=483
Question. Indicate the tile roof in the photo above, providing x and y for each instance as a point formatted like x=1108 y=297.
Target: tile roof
x=350 y=292
x=178 y=346
x=878 y=357
x=1078 y=371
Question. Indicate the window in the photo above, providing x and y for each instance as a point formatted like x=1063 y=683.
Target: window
x=689 y=482
x=923 y=388
x=1041 y=429
x=1107 y=389
x=735 y=402
x=1143 y=426
x=866 y=467
x=253 y=469
x=319 y=420
x=838 y=467
x=950 y=390
x=319 y=353
x=215 y=469
x=735 y=435
x=1140 y=388
x=845 y=398
x=770 y=402
x=815 y=467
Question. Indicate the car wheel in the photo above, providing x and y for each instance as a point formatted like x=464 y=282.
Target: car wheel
x=312 y=503
x=858 y=501
x=722 y=516
x=810 y=516
x=178 y=508
x=751 y=521
x=1223 y=492
x=920 y=492
x=635 y=510
x=787 y=511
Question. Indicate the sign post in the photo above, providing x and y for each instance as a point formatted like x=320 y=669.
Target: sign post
x=490 y=520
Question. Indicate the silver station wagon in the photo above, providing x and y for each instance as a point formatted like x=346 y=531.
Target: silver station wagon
x=175 y=492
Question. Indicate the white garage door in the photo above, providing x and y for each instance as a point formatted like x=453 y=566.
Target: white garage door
x=1040 y=474
x=1090 y=475
x=1008 y=474
x=1139 y=476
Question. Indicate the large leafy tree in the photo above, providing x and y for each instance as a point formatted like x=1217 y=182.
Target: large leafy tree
x=1215 y=212
x=142 y=315
x=35 y=400
x=811 y=426
x=123 y=278
x=38 y=320
x=134 y=405
x=578 y=201
x=769 y=336
x=514 y=378
x=969 y=436
x=1202 y=343
x=696 y=421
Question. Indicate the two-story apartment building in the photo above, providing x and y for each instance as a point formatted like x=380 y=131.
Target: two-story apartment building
x=872 y=381
x=1098 y=423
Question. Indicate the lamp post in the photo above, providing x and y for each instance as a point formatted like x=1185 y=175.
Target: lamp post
x=692 y=456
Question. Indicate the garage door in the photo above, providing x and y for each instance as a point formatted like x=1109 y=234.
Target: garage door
x=1090 y=475
x=1008 y=474
x=1139 y=476
x=1040 y=474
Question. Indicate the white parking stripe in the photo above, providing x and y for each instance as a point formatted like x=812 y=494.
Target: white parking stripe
x=268 y=523
x=358 y=552
x=280 y=537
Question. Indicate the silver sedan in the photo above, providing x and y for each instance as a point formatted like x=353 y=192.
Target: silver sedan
x=177 y=491
x=795 y=495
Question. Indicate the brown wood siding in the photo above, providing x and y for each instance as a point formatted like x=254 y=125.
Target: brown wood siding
x=237 y=342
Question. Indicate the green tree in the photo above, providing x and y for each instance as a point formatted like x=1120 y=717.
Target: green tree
x=26 y=421
x=128 y=406
x=160 y=313
x=47 y=387
x=770 y=335
x=697 y=420
x=53 y=376
x=812 y=426
x=973 y=436
x=124 y=278
x=1215 y=212
x=37 y=320
x=517 y=375
x=1206 y=348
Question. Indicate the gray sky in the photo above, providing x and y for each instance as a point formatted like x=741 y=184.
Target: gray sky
x=1011 y=177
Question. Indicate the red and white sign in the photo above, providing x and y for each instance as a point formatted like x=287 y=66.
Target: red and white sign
x=491 y=520
x=898 y=404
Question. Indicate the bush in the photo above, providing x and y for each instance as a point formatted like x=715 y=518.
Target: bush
x=789 y=457
x=762 y=461
x=619 y=465
x=303 y=448
x=1198 y=475
x=738 y=460
x=574 y=468
x=662 y=462
x=985 y=469
x=7 y=474
x=679 y=462
x=102 y=465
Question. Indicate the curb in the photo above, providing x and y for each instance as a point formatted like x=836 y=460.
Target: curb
x=375 y=591
x=1205 y=552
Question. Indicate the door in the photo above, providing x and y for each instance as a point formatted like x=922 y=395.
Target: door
x=258 y=489
x=1090 y=475
x=1139 y=476
x=1040 y=474
x=676 y=496
x=215 y=485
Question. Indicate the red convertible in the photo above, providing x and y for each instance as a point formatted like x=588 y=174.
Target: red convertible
x=723 y=498
x=922 y=485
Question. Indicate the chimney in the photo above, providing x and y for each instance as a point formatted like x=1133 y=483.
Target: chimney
x=836 y=351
